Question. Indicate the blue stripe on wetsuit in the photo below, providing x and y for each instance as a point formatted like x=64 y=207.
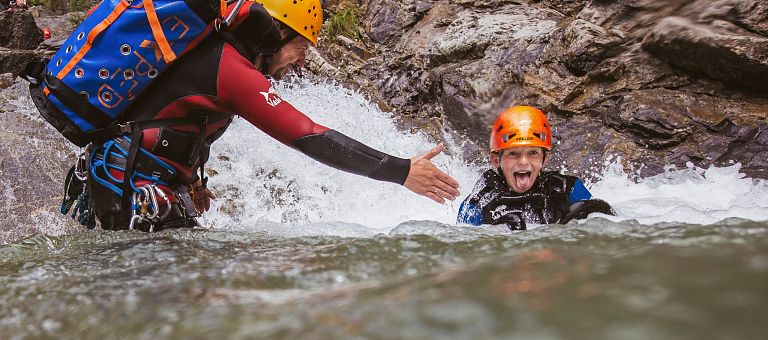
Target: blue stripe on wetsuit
x=578 y=193
x=469 y=214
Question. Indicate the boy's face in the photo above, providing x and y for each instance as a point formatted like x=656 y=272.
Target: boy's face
x=520 y=166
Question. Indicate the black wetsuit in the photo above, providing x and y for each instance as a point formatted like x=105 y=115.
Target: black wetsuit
x=492 y=201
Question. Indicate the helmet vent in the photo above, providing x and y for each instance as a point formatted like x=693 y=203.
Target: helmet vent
x=507 y=137
x=499 y=128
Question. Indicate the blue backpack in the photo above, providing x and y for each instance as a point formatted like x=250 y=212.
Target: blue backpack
x=120 y=48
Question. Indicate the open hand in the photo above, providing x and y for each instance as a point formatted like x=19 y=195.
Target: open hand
x=426 y=179
x=201 y=197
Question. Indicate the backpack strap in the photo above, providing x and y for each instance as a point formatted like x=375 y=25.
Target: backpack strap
x=237 y=44
x=76 y=102
x=157 y=31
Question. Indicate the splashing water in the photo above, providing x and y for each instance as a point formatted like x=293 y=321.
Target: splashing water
x=614 y=278
x=265 y=186
x=263 y=183
x=261 y=180
x=691 y=195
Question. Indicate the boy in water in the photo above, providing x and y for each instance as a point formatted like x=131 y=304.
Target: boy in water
x=516 y=191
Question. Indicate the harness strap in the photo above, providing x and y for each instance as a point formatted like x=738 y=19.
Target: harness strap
x=129 y=164
x=137 y=128
x=146 y=165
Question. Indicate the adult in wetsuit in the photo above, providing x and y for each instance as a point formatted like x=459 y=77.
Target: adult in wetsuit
x=516 y=192
x=224 y=77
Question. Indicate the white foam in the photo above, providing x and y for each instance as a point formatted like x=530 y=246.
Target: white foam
x=690 y=195
x=281 y=189
x=276 y=184
x=266 y=186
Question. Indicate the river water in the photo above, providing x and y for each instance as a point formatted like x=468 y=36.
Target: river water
x=294 y=249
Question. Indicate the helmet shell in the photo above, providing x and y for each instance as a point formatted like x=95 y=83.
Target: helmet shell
x=520 y=126
x=303 y=16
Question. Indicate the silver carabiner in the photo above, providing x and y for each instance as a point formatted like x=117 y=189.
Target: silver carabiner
x=81 y=169
x=231 y=17
x=166 y=200
x=149 y=195
x=135 y=217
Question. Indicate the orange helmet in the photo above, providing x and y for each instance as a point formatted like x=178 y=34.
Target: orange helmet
x=304 y=16
x=521 y=126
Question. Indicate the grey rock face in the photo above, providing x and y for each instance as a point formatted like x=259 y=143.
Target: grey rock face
x=6 y=80
x=388 y=19
x=19 y=30
x=587 y=44
x=656 y=82
x=18 y=40
x=724 y=52
x=13 y=61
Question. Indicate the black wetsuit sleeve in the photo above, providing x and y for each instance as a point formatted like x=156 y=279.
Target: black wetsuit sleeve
x=336 y=150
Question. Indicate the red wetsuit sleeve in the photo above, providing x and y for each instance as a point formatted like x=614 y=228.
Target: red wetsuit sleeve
x=247 y=93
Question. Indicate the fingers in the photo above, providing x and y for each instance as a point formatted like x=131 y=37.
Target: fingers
x=435 y=197
x=203 y=205
x=448 y=180
x=434 y=152
x=447 y=191
x=425 y=179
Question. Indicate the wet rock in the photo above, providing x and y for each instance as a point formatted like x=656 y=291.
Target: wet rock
x=615 y=77
x=19 y=30
x=13 y=61
x=750 y=15
x=388 y=19
x=588 y=44
x=60 y=27
x=727 y=53
x=6 y=80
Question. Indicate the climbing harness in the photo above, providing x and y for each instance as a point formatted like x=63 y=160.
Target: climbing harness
x=145 y=207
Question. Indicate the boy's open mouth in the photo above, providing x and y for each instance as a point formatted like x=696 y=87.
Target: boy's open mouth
x=522 y=179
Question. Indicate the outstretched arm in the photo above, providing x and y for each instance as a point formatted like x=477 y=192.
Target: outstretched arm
x=417 y=174
x=246 y=92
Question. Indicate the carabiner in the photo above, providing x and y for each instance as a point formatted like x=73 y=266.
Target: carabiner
x=81 y=169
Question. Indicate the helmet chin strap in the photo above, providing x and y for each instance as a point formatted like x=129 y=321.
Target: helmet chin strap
x=265 y=62
x=259 y=35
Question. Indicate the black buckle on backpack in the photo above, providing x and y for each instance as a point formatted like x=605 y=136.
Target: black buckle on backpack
x=126 y=127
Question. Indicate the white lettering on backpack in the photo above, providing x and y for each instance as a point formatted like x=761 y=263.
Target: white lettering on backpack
x=271 y=97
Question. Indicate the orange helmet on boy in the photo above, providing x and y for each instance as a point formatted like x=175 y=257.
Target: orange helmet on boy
x=521 y=126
